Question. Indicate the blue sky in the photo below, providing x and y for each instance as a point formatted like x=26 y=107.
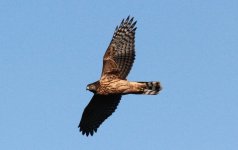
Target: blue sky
x=50 y=51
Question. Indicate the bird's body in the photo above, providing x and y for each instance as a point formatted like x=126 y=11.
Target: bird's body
x=115 y=86
x=108 y=86
x=117 y=63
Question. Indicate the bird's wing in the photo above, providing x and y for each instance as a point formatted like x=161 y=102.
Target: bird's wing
x=120 y=54
x=99 y=109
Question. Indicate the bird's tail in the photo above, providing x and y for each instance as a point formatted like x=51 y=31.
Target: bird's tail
x=151 y=88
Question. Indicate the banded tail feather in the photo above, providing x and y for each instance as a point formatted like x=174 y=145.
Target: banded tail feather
x=151 y=88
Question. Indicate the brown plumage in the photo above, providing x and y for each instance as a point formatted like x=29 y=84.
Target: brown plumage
x=117 y=63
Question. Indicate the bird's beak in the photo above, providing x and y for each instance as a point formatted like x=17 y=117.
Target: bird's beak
x=87 y=88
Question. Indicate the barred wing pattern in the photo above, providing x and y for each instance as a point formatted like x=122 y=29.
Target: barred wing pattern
x=99 y=109
x=120 y=54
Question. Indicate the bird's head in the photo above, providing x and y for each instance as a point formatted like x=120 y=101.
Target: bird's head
x=92 y=87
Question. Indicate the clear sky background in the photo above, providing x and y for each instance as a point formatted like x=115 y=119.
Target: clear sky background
x=50 y=51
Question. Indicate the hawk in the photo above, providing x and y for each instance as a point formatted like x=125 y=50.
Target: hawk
x=117 y=63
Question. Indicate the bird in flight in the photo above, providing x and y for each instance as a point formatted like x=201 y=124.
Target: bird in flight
x=117 y=63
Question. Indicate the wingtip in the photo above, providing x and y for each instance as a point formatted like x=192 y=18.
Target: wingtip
x=131 y=20
x=122 y=22
x=134 y=29
x=127 y=19
x=87 y=132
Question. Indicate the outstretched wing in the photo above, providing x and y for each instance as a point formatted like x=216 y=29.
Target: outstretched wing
x=120 y=55
x=99 y=109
